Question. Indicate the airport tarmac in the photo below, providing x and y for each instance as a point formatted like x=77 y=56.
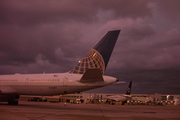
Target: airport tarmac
x=58 y=111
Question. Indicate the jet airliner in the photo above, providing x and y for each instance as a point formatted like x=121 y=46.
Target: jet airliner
x=121 y=97
x=88 y=74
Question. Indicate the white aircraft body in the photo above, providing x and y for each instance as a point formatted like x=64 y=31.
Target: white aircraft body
x=88 y=74
x=121 y=97
x=142 y=99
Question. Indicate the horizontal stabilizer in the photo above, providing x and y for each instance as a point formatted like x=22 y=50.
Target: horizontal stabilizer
x=92 y=75
x=7 y=90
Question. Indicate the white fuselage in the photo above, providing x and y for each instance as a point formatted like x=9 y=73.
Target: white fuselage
x=48 y=84
x=119 y=98
x=143 y=99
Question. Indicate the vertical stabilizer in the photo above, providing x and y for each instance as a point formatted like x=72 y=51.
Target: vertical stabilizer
x=128 y=92
x=99 y=55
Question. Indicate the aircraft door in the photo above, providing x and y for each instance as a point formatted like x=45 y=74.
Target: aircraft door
x=65 y=81
x=27 y=81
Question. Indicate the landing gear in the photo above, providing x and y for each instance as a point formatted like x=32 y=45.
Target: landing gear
x=124 y=102
x=15 y=102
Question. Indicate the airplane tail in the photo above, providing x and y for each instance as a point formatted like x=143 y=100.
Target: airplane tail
x=128 y=92
x=99 y=55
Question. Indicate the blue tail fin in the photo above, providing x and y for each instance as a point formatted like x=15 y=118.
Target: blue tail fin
x=128 y=92
x=99 y=56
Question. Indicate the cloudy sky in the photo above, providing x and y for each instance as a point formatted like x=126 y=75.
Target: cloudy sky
x=52 y=35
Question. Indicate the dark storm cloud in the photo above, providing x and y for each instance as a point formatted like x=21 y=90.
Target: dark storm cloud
x=133 y=9
x=38 y=12
x=52 y=35
x=169 y=9
x=22 y=46
x=27 y=13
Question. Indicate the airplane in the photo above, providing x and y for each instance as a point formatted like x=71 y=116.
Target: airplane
x=121 y=97
x=142 y=99
x=88 y=74
x=177 y=101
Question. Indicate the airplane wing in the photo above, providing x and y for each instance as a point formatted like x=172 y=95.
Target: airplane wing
x=92 y=75
x=7 y=90
x=120 y=82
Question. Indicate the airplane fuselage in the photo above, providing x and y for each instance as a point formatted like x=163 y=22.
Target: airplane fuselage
x=87 y=74
x=48 y=84
x=121 y=98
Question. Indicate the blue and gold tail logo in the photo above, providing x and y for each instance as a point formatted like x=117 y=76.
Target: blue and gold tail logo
x=99 y=56
x=92 y=60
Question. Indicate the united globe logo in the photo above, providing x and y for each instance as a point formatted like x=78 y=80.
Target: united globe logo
x=92 y=60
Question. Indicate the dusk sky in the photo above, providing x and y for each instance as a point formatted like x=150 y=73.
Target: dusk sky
x=51 y=36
